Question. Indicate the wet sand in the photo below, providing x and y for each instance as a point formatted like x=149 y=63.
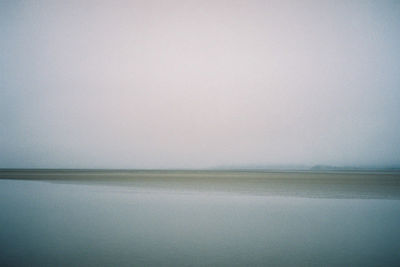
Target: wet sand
x=312 y=184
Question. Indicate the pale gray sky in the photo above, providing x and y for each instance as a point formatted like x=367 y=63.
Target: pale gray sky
x=193 y=84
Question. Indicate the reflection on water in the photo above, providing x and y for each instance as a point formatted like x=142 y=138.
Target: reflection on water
x=83 y=225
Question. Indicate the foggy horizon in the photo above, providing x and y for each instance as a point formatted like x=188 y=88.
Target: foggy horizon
x=199 y=84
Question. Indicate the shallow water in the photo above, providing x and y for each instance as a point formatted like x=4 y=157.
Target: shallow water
x=55 y=224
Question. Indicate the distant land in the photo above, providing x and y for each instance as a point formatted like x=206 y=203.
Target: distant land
x=355 y=168
x=318 y=167
x=249 y=167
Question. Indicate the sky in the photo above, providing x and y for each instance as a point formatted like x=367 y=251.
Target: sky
x=199 y=84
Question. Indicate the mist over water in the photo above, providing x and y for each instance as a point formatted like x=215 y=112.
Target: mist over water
x=193 y=84
x=132 y=85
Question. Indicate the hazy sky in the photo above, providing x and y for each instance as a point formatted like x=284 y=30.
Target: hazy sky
x=171 y=84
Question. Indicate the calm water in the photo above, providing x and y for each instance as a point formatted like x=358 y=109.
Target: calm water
x=55 y=224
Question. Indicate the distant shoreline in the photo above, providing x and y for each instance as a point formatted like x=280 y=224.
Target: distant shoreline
x=313 y=169
x=34 y=174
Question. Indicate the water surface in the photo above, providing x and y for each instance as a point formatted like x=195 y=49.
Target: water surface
x=73 y=224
